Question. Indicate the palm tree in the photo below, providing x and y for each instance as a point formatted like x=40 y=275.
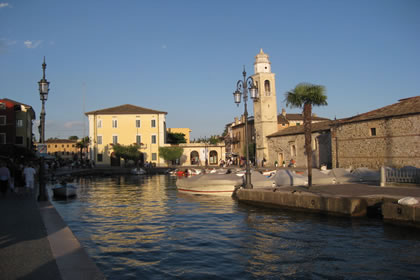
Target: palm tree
x=83 y=144
x=307 y=95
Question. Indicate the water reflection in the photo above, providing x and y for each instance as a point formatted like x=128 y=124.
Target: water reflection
x=141 y=227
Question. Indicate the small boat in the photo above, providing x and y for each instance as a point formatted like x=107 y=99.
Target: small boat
x=64 y=190
x=209 y=184
x=138 y=171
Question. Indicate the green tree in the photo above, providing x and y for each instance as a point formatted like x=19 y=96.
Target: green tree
x=176 y=138
x=170 y=154
x=83 y=144
x=129 y=152
x=306 y=95
x=215 y=139
x=73 y=138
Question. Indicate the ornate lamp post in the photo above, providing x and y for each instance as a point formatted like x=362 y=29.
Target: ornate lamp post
x=43 y=94
x=242 y=87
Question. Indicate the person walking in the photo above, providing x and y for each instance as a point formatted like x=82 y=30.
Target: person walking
x=4 y=178
x=29 y=174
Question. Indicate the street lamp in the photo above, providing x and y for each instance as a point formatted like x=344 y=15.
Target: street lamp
x=242 y=87
x=43 y=95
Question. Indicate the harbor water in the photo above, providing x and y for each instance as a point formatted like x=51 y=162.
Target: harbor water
x=140 y=227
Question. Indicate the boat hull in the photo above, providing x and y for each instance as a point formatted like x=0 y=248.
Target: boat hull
x=209 y=184
x=219 y=190
x=64 y=191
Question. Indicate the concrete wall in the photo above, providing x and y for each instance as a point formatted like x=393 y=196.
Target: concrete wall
x=392 y=142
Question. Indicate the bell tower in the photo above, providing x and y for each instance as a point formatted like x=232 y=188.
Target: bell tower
x=265 y=107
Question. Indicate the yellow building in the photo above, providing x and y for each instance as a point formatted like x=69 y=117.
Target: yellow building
x=185 y=131
x=126 y=125
x=63 y=148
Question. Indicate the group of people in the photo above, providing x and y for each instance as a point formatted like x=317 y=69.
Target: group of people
x=12 y=176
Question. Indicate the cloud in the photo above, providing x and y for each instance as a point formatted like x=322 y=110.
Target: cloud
x=73 y=124
x=32 y=44
x=5 y=43
x=4 y=5
x=164 y=46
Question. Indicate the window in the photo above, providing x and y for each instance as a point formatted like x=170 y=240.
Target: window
x=298 y=123
x=138 y=139
x=153 y=123
x=2 y=120
x=2 y=106
x=55 y=146
x=19 y=140
x=62 y=145
x=99 y=139
x=154 y=156
x=99 y=123
x=153 y=139
x=67 y=145
x=19 y=123
x=138 y=124
x=267 y=88
x=115 y=139
x=2 y=138
x=114 y=123
x=99 y=157
x=373 y=131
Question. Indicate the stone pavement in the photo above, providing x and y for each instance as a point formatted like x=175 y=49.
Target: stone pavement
x=35 y=243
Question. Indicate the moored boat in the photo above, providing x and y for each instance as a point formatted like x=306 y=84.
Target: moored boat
x=209 y=184
x=64 y=191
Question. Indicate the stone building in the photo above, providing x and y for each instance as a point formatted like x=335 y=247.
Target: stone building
x=387 y=136
x=62 y=148
x=289 y=143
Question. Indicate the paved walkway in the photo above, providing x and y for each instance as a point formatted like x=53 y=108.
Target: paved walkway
x=35 y=243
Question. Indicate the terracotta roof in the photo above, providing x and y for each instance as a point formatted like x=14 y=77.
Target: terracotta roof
x=16 y=102
x=299 y=117
x=293 y=130
x=406 y=106
x=125 y=109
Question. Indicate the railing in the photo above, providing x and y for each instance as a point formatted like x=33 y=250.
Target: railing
x=409 y=175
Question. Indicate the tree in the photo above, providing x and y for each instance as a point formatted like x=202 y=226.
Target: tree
x=83 y=144
x=73 y=138
x=130 y=152
x=170 y=154
x=307 y=95
x=176 y=138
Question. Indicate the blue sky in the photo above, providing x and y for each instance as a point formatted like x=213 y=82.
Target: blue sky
x=185 y=57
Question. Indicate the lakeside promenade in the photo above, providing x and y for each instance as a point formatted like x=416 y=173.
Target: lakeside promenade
x=35 y=243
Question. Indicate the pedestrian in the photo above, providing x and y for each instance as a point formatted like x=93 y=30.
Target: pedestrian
x=4 y=178
x=29 y=174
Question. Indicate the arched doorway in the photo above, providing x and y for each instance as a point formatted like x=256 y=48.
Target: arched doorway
x=115 y=161
x=194 y=158
x=213 y=158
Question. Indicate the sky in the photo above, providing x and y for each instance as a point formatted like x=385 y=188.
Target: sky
x=185 y=57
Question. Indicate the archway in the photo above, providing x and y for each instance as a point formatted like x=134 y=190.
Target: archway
x=194 y=158
x=213 y=158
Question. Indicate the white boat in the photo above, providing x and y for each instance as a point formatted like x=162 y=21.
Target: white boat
x=138 y=171
x=209 y=184
x=64 y=191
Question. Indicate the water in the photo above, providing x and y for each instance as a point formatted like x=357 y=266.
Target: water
x=140 y=227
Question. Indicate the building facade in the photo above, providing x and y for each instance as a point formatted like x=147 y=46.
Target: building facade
x=62 y=148
x=388 y=136
x=289 y=144
x=202 y=154
x=126 y=125
x=16 y=124
x=185 y=131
